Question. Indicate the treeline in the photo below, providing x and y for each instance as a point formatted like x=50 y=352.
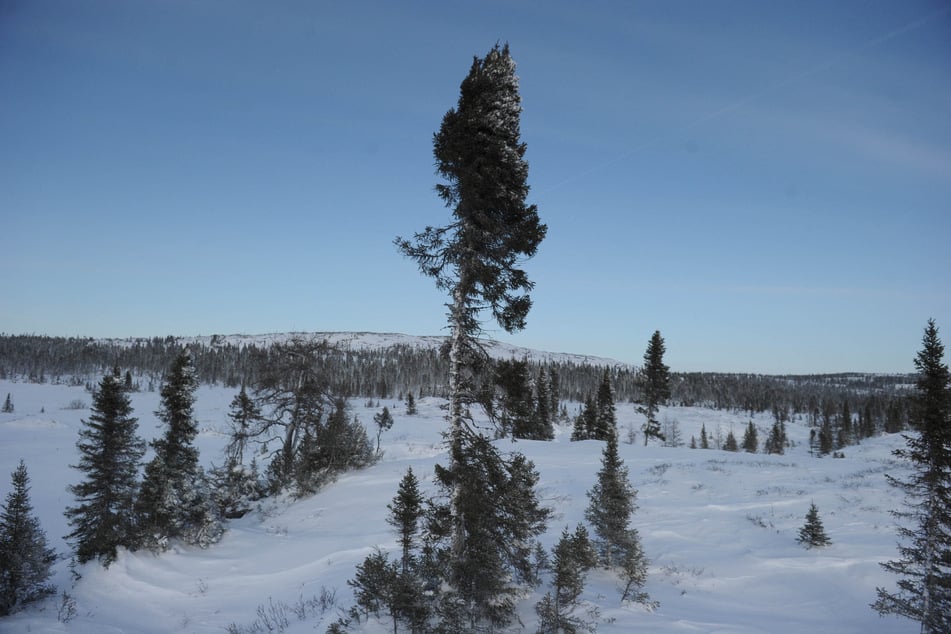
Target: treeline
x=400 y=369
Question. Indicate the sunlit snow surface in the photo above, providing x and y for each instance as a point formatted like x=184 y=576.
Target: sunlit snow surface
x=720 y=528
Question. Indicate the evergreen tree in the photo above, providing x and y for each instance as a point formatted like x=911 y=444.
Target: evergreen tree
x=406 y=511
x=586 y=422
x=704 y=441
x=503 y=520
x=244 y=413
x=605 y=423
x=477 y=258
x=544 y=415
x=924 y=566
x=730 y=444
x=175 y=500
x=375 y=584
x=335 y=446
x=411 y=404
x=655 y=383
x=776 y=440
x=554 y=387
x=235 y=484
x=110 y=451
x=750 y=439
x=572 y=558
x=516 y=410
x=612 y=502
x=25 y=558
x=846 y=432
x=812 y=534
x=826 y=444
x=384 y=422
x=7 y=405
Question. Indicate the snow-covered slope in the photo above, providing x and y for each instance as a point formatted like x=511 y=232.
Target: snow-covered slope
x=381 y=341
x=720 y=529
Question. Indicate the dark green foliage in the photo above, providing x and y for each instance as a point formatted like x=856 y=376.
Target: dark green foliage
x=331 y=447
x=477 y=259
x=244 y=414
x=7 y=405
x=826 y=442
x=384 y=422
x=544 y=414
x=586 y=422
x=572 y=558
x=704 y=441
x=175 y=501
x=479 y=155
x=411 y=404
x=515 y=406
x=812 y=534
x=924 y=566
x=730 y=443
x=25 y=558
x=110 y=451
x=502 y=516
x=612 y=503
x=846 y=433
x=776 y=440
x=406 y=511
x=374 y=585
x=605 y=421
x=750 y=439
x=655 y=385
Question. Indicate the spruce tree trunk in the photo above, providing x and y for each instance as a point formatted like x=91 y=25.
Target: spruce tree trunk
x=456 y=362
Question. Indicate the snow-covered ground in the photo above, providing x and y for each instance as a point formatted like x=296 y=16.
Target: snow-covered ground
x=719 y=528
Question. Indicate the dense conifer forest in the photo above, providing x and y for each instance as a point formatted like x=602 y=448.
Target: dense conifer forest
x=876 y=402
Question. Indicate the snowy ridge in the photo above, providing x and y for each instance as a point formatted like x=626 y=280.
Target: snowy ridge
x=383 y=341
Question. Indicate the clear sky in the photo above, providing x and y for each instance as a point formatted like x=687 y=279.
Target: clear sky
x=766 y=183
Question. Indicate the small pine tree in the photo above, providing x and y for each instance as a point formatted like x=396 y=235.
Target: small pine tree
x=730 y=444
x=750 y=439
x=384 y=422
x=7 y=405
x=110 y=450
x=812 y=534
x=611 y=503
x=572 y=558
x=776 y=440
x=25 y=558
x=406 y=511
x=585 y=422
x=410 y=405
x=704 y=441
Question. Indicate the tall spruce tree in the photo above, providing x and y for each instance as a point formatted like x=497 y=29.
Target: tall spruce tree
x=175 y=500
x=605 y=424
x=109 y=455
x=655 y=384
x=924 y=566
x=476 y=259
x=26 y=560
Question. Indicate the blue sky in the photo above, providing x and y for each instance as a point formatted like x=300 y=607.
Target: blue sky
x=768 y=184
